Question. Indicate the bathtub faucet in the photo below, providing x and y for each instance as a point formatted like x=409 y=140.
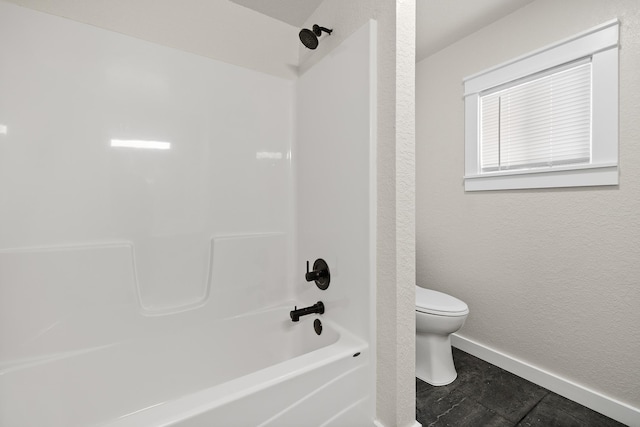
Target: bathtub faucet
x=315 y=308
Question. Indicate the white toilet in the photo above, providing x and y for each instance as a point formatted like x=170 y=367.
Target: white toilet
x=438 y=315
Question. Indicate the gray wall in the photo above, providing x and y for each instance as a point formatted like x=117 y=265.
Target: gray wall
x=552 y=277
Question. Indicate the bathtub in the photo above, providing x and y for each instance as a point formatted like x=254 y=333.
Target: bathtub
x=261 y=369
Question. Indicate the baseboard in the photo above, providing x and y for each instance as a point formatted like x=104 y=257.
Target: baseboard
x=377 y=423
x=591 y=399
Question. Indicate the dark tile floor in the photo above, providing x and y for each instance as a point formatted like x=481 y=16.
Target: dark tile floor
x=484 y=395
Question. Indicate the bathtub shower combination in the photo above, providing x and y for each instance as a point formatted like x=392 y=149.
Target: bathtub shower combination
x=158 y=211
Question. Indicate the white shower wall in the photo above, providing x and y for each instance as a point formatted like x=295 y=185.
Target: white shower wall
x=143 y=187
x=145 y=190
x=334 y=158
x=94 y=235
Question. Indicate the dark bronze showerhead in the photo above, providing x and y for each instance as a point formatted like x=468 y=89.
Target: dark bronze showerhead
x=309 y=38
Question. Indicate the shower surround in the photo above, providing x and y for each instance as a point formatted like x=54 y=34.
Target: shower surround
x=158 y=209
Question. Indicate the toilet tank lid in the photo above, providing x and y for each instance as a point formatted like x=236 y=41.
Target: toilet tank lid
x=430 y=301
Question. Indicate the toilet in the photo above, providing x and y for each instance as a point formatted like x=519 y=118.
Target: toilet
x=438 y=315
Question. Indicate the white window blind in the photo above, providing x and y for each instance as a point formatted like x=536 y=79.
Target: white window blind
x=542 y=122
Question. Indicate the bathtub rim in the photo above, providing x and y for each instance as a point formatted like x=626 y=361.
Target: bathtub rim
x=169 y=413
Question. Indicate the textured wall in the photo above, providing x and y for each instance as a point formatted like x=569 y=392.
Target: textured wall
x=552 y=277
x=218 y=29
x=395 y=318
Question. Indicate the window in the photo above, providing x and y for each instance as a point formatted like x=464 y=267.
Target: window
x=547 y=119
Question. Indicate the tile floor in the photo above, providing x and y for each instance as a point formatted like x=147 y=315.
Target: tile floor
x=484 y=395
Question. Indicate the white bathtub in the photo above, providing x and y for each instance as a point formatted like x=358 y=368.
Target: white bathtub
x=255 y=370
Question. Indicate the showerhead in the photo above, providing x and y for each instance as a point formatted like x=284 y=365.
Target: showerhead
x=310 y=38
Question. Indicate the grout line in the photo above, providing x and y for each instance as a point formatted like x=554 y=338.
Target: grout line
x=493 y=411
x=433 y=423
x=481 y=361
x=533 y=407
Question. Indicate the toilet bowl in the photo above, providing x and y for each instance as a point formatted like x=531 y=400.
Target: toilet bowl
x=438 y=315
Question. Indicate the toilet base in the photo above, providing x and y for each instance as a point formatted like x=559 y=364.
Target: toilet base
x=434 y=360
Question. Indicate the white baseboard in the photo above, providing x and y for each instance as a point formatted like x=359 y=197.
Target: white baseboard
x=377 y=423
x=612 y=408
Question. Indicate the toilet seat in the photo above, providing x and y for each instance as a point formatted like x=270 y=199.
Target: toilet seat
x=438 y=303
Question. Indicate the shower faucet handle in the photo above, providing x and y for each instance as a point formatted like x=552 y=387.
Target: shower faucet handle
x=320 y=274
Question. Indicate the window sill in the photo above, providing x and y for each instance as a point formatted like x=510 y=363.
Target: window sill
x=573 y=176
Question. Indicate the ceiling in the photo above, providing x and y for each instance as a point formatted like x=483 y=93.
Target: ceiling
x=293 y=12
x=443 y=22
x=439 y=22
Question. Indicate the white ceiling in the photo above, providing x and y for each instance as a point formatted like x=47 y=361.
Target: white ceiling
x=443 y=22
x=293 y=12
x=439 y=22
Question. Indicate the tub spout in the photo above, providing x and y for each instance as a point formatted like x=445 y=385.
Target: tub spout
x=296 y=313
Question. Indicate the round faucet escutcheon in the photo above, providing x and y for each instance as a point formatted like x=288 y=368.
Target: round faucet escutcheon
x=320 y=274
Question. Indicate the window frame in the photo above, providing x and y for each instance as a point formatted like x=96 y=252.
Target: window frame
x=601 y=44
